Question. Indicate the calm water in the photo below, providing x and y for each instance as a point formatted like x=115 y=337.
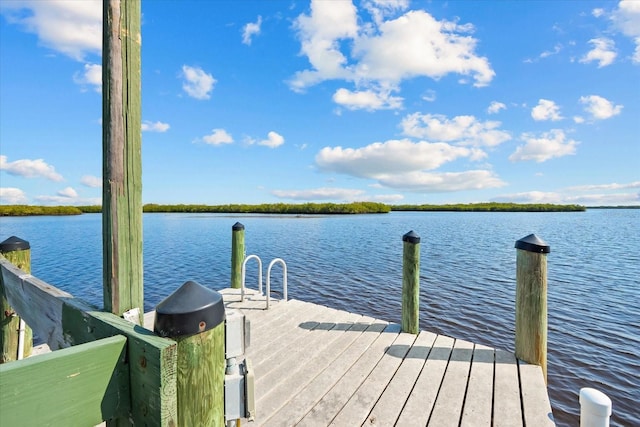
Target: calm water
x=355 y=263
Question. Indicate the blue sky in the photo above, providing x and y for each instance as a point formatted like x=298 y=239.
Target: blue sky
x=333 y=101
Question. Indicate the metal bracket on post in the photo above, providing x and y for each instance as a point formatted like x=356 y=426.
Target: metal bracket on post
x=239 y=400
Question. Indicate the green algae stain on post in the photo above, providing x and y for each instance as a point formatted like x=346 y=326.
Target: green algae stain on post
x=237 y=254
x=411 y=283
x=122 y=160
x=194 y=317
x=531 y=301
x=17 y=252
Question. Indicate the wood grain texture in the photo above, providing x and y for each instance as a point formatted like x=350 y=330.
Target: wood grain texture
x=81 y=385
x=531 y=308
x=122 y=160
x=411 y=288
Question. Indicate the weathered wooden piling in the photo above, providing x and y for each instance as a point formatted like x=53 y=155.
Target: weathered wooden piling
x=531 y=301
x=411 y=283
x=18 y=252
x=237 y=254
x=194 y=317
x=122 y=159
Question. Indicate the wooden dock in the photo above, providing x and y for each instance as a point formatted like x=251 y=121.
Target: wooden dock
x=317 y=366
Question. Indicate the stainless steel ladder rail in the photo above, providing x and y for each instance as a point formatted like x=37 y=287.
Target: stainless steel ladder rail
x=284 y=278
x=244 y=275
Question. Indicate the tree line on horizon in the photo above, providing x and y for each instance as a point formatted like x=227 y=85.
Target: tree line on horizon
x=301 y=209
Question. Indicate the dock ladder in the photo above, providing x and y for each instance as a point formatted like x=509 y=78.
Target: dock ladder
x=271 y=264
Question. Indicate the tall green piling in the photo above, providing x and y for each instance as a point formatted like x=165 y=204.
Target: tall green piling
x=122 y=160
x=411 y=283
x=237 y=254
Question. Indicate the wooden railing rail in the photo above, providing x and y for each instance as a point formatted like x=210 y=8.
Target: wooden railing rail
x=63 y=321
x=81 y=385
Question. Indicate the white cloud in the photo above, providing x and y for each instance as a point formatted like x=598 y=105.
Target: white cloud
x=149 y=126
x=529 y=197
x=603 y=187
x=73 y=28
x=547 y=53
x=197 y=83
x=616 y=199
x=273 y=140
x=13 y=196
x=91 y=181
x=603 y=52
x=68 y=192
x=429 y=95
x=30 y=169
x=251 y=29
x=366 y=100
x=547 y=146
x=431 y=48
x=68 y=201
x=546 y=110
x=337 y=47
x=599 y=107
x=217 y=137
x=566 y=196
x=464 y=130
x=387 y=198
x=391 y=157
x=324 y=193
x=495 y=107
x=598 y=12
x=380 y=9
x=90 y=76
x=578 y=119
x=627 y=20
x=427 y=182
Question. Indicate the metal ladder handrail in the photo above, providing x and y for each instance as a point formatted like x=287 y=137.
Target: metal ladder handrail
x=284 y=278
x=244 y=274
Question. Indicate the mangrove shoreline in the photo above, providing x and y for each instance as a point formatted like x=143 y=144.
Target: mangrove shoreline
x=305 y=208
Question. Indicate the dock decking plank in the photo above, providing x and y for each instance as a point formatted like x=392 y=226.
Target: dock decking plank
x=506 y=400
x=420 y=403
x=336 y=368
x=448 y=408
x=387 y=410
x=324 y=411
x=286 y=360
x=359 y=406
x=479 y=399
x=535 y=399
x=300 y=375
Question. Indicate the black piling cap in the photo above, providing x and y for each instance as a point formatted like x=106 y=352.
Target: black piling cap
x=411 y=237
x=533 y=243
x=13 y=244
x=191 y=309
x=237 y=227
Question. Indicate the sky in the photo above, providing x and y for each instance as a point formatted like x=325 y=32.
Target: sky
x=399 y=102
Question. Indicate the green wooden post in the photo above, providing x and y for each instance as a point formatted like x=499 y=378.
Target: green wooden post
x=18 y=252
x=122 y=163
x=194 y=317
x=237 y=254
x=411 y=283
x=531 y=301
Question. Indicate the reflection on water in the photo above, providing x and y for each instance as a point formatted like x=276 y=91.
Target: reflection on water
x=355 y=263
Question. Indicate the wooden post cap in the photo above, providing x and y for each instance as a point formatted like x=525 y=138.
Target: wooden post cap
x=13 y=244
x=237 y=226
x=533 y=243
x=411 y=237
x=190 y=310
